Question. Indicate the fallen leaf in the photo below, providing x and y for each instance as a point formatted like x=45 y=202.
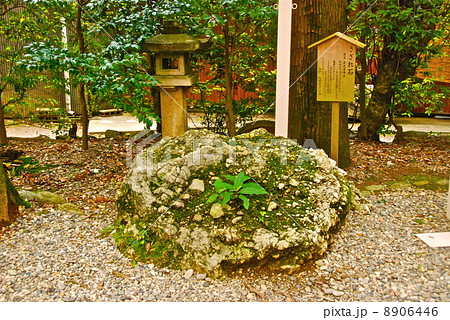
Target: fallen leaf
x=77 y=283
x=120 y=274
x=102 y=199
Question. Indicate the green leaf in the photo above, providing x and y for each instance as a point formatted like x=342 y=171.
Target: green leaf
x=222 y=186
x=245 y=201
x=252 y=188
x=212 y=198
x=231 y=178
x=240 y=179
x=226 y=197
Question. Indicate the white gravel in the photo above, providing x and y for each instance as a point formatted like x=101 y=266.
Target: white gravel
x=60 y=257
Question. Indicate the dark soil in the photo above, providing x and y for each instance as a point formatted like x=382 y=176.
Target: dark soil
x=378 y=162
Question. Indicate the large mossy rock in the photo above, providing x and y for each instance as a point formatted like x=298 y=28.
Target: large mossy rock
x=164 y=217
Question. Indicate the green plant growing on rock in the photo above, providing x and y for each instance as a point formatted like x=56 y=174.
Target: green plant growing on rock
x=225 y=192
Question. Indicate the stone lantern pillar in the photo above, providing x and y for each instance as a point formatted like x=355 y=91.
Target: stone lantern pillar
x=173 y=72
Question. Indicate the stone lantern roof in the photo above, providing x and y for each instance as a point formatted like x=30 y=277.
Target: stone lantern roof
x=171 y=40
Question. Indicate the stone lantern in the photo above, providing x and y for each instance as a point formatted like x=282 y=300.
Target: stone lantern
x=173 y=72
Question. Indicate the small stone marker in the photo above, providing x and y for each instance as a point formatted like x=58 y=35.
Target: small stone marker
x=336 y=77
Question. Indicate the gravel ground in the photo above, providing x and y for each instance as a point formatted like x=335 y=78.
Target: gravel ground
x=48 y=255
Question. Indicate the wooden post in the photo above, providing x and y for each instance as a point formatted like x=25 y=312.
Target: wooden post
x=283 y=67
x=335 y=131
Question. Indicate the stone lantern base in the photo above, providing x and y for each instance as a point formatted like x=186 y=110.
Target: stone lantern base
x=174 y=111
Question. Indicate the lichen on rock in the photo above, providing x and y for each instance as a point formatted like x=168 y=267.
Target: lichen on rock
x=280 y=230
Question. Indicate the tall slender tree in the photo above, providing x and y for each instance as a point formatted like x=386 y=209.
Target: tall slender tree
x=82 y=51
x=242 y=38
x=309 y=119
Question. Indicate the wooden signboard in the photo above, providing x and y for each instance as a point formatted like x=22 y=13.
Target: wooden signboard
x=336 y=77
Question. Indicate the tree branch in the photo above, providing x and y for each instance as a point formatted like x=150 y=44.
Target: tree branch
x=243 y=30
x=14 y=100
x=5 y=10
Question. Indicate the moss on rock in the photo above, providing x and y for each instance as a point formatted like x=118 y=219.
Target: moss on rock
x=158 y=215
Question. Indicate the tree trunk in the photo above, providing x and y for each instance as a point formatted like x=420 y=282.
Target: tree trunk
x=84 y=111
x=84 y=119
x=10 y=199
x=3 y=138
x=156 y=95
x=393 y=66
x=231 y=121
x=378 y=106
x=362 y=131
x=308 y=118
